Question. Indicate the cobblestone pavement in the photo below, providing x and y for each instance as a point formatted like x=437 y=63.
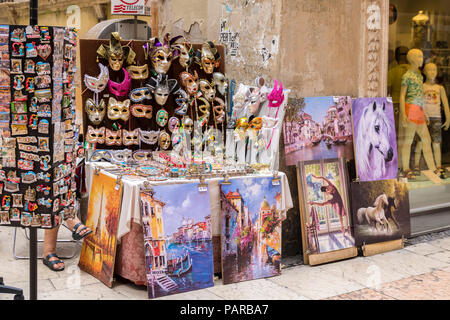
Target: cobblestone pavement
x=419 y=271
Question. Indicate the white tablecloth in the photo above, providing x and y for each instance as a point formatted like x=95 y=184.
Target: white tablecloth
x=130 y=211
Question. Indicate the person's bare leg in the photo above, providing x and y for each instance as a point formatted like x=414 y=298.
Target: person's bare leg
x=418 y=155
x=50 y=237
x=437 y=154
x=408 y=137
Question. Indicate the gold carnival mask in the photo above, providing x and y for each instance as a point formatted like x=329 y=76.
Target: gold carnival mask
x=186 y=52
x=95 y=135
x=95 y=113
x=188 y=124
x=113 y=138
x=189 y=82
x=138 y=72
x=142 y=111
x=219 y=110
x=255 y=123
x=208 y=57
x=118 y=110
x=162 y=54
x=208 y=89
x=115 y=53
x=164 y=140
x=221 y=82
x=130 y=137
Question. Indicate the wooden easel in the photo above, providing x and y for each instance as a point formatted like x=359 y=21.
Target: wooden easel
x=318 y=258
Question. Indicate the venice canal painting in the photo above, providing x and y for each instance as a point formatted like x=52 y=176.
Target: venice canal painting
x=177 y=239
x=251 y=229
x=99 y=248
x=318 y=128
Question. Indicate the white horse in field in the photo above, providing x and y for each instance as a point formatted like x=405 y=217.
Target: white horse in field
x=374 y=152
x=375 y=215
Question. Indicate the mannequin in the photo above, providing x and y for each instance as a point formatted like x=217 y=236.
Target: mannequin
x=412 y=116
x=434 y=94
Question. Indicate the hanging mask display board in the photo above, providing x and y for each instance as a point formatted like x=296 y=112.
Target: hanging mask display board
x=37 y=118
x=149 y=94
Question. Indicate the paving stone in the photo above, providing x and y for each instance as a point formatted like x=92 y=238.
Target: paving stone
x=43 y=286
x=424 y=249
x=96 y=291
x=441 y=243
x=364 y=294
x=429 y=286
x=315 y=282
x=203 y=294
x=441 y=256
x=259 y=289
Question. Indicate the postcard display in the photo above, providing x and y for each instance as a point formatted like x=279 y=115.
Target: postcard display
x=37 y=119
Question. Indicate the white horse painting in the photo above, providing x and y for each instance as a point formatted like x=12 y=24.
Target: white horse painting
x=373 y=148
x=375 y=215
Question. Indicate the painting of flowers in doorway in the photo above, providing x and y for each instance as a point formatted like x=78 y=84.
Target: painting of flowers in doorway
x=178 y=246
x=251 y=229
x=326 y=209
x=98 y=253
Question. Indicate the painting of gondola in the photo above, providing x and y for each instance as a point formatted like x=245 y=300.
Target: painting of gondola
x=318 y=128
x=374 y=139
x=178 y=246
x=325 y=206
x=380 y=211
x=98 y=253
x=251 y=229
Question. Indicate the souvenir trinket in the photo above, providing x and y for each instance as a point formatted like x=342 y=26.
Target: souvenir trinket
x=25 y=219
x=174 y=124
x=207 y=89
x=97 y=84
x=148 y=137
x=161 y=117
x=17 y=200
x=142 y=111
x=120 y=89
x=188 y=124
x=25 y=164
x=44 y=144
x=113 y=138
x=121 y=156
x=164 y=140
x=161 y=54
x=30 y=194
x=6 y=202
x=30 y=66
x=16 y=66
x=221 y=82
x=130 y=137
x=43 y=68
x=138 y=72
x=96 y=113
x=115 y=53
x=208 y=57
x=100 y=155
x=45 y=163
x=36 y=220
x=46 y=220
x=139 y=94
x=142 y=155
x=189 y=82
x=31 y=51
x=15 y=214
x=118 y=110
x=186 y=53
x=18 y=35
x=43 y=126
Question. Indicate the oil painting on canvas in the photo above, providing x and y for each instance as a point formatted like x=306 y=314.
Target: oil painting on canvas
x=326 y=205
x=374 y=138
x=251 y=229
x=99 y=248
x=318 y=128
x=380 y=211
x=177 y=239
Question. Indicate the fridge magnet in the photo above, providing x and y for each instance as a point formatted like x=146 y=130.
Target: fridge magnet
x=25 y=219
x=16 y=66
x=46 y=220
x=30 y=66
x=17 y=200
x=4 y=217
x=15 y=214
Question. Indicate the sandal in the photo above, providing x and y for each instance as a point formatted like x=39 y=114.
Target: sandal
x=441 y=173
x=50 y=264
x=76 y=235
x=408 y=174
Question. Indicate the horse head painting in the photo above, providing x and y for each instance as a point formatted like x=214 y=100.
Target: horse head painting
x=375 y=142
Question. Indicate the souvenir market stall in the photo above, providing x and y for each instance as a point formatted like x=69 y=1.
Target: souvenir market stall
x=171 y=167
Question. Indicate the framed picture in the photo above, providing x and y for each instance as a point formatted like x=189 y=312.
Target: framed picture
x=178 y=245
x=324 y=206
x=380 y=211
x=251 y=229
x=374 y=139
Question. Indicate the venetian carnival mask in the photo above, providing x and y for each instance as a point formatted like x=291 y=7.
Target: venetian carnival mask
x=208 y=89
x=269 y=123
x=161 y=117
x=219 y=110
x=188 y=125
x=256 y=123
x=140 y=94
x=161 y=94
x=138 y=72
x=113 y=138
x=256 y=96
x=161 y=87
x=162 y=54
x=148 y=137
x=118 y=110
x=142 y=111
x=121 y=89
x=95 y=135
x=276 y=96
x=99 y=155
x=239 y=97
x=121 y=155
x=96 y=113
x=130 y=137
x=142 y=155
x=203 y=107
x=164 y=140
x=174 y=124
x=221 y=82
x=186 y=52
x=115 y=53
x=242 y=123
x=208 y=57
x=189 y=82
x=182 y=106
x=98 y=84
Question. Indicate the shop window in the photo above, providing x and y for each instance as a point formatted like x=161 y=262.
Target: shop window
x=423 y=118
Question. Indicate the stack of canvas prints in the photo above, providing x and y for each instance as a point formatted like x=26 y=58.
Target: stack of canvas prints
x=318 y=128
x=178 y=246
x=380 y=211
x=251 y=229
x=98 y=253
x=325 y=205
x=375 y=139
